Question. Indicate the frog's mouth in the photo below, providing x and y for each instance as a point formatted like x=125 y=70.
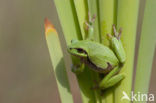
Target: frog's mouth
x=77 y=52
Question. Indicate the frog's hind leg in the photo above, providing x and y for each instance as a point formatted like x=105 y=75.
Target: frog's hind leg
x=90 y=27
x=111 y=79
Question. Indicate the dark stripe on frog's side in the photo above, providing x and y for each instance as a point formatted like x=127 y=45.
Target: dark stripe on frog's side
x=87 y=61
x=95 y=68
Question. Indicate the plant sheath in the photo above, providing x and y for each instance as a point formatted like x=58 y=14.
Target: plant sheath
x=127 y=15
x=146 y=49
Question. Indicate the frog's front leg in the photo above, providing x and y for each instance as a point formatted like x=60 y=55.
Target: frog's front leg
x=111 y=79
x=90 y=27
x=117 y=45
x=78 y=68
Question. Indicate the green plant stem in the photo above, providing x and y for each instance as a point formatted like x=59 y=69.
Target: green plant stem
x=146 y=49
x=93 y=10
x=82 y=12
x=107 y=10
x=68 y=22
x=127 y=19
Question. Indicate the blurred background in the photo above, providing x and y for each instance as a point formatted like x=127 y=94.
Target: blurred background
x=25 y=66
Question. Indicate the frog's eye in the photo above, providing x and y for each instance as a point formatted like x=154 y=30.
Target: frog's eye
x=79 y=50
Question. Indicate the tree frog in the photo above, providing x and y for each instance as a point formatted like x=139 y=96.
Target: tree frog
x=101 y=58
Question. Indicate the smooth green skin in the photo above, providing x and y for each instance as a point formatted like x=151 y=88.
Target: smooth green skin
x=101 y=58
x=98 y=54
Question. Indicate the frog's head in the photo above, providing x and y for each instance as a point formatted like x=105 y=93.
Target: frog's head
x=77 y=49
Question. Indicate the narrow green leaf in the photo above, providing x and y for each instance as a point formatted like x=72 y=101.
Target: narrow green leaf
x=107 y=10
x=82 y=12
x=58 y=63
x=93 y=10
x=107 y=13
x=68 y=19
x=146 y=49
x=127 y=19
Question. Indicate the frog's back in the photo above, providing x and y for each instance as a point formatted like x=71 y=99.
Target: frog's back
x=101 y=55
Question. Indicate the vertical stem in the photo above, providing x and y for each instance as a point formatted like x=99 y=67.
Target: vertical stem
x=146 y=49
x=127 y=19
x=107 y=12
x=93 y=10
x=69 y=23
x=82 y=12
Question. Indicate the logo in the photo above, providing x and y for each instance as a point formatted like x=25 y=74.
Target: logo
x=137 y=97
